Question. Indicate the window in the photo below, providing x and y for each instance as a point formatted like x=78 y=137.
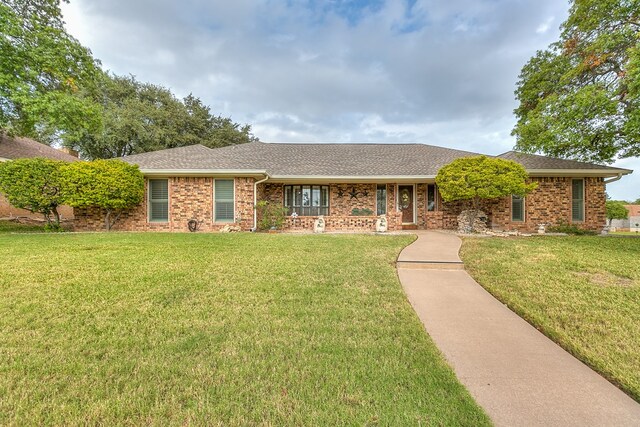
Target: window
x=381 y=199
x=224 y=209
x=307 y=200
x=431 y=197
x=577 y=200
x=158 y=200
x=517 y=208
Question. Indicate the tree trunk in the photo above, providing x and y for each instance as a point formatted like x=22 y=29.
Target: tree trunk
x=56 y=215
x=107 y=220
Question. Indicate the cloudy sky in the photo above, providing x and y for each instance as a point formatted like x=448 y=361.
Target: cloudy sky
x=440 y=72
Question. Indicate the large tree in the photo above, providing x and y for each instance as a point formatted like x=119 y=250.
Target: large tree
x=580 y=98
x=140 y=117
x=34 y=184
x=42 y=72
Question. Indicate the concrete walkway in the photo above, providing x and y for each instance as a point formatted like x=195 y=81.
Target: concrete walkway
x=519 y=376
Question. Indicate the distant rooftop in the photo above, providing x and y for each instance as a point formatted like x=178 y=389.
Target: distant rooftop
x=18 y=148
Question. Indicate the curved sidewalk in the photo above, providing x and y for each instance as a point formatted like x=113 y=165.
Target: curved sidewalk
x=519 y=376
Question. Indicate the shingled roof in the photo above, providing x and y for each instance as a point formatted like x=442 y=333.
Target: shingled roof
x=534 y=161
x=18 y=148
x=329 y=160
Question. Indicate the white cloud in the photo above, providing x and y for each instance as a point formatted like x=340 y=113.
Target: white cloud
x=317 y=71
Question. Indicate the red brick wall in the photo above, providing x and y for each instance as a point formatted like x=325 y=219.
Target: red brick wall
x=549 y=203
x=192 y=197
x=9 y=211
x=189 y=197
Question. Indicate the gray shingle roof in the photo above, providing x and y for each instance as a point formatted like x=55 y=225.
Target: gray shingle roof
x=534 y=161
x=328 y=160
x=351 y=160
x=19 y=148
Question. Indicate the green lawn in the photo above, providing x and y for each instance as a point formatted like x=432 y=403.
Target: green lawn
x=583 y=292
x=215 y=329
x=16 y=227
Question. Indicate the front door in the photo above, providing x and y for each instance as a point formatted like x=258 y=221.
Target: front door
x=405 y=200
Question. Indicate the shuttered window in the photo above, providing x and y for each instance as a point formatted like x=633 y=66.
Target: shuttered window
x=517 y=208
x=224 y=204
x=577 y=200
x=158 y=200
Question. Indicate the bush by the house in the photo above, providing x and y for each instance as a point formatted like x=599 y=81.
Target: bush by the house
x=270 y=215
x=361 y=212
x=111 y=185
x=35 y=185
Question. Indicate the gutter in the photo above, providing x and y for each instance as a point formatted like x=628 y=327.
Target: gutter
x=614 y=179
x=255 y=200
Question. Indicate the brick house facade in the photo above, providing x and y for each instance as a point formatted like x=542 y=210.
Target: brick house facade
x=410 y=200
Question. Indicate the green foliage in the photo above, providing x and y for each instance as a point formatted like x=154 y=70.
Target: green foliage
x=140 y=117
x=564 y=227
x=33 y=184
x=42 y=73
x=580 y=98
x=616 y=210
x=361 y=212
x=270 y=215
x=111 y=185
x=481 y=177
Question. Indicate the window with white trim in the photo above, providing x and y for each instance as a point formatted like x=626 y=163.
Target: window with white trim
x=224 y=200
x=517 y=208
x=577 y=200
x=158 y=200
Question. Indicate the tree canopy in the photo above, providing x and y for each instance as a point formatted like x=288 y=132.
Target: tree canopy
x=33 y=184
x=139 y=117
x=580 y=97
x=111 y=185
x=481 y=177
x=616 y=210
x=42 y=71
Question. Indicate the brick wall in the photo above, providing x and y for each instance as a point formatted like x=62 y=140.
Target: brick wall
x=189 y=198
x=192 y=197
x=9 y=211
x=549 y=203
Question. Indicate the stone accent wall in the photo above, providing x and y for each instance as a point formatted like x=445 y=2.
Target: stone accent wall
x=9 y=211
x=189 y=198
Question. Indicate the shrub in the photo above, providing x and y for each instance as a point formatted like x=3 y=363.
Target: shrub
x=564 y=227
x=271 y=215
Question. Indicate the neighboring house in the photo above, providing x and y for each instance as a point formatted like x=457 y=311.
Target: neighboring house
x=18 y=148
x=220 y=186
x=634 y=217
x=632 y=223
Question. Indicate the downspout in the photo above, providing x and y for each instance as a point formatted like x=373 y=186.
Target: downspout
x=608 y=181
x=255 y=201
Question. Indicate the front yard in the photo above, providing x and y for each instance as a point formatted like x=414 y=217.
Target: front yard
x=582 y=292
x=242 y=329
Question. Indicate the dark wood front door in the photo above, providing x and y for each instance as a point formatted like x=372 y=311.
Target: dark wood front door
x=405 y=200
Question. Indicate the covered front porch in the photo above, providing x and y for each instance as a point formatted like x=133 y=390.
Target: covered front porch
x=355 y=206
